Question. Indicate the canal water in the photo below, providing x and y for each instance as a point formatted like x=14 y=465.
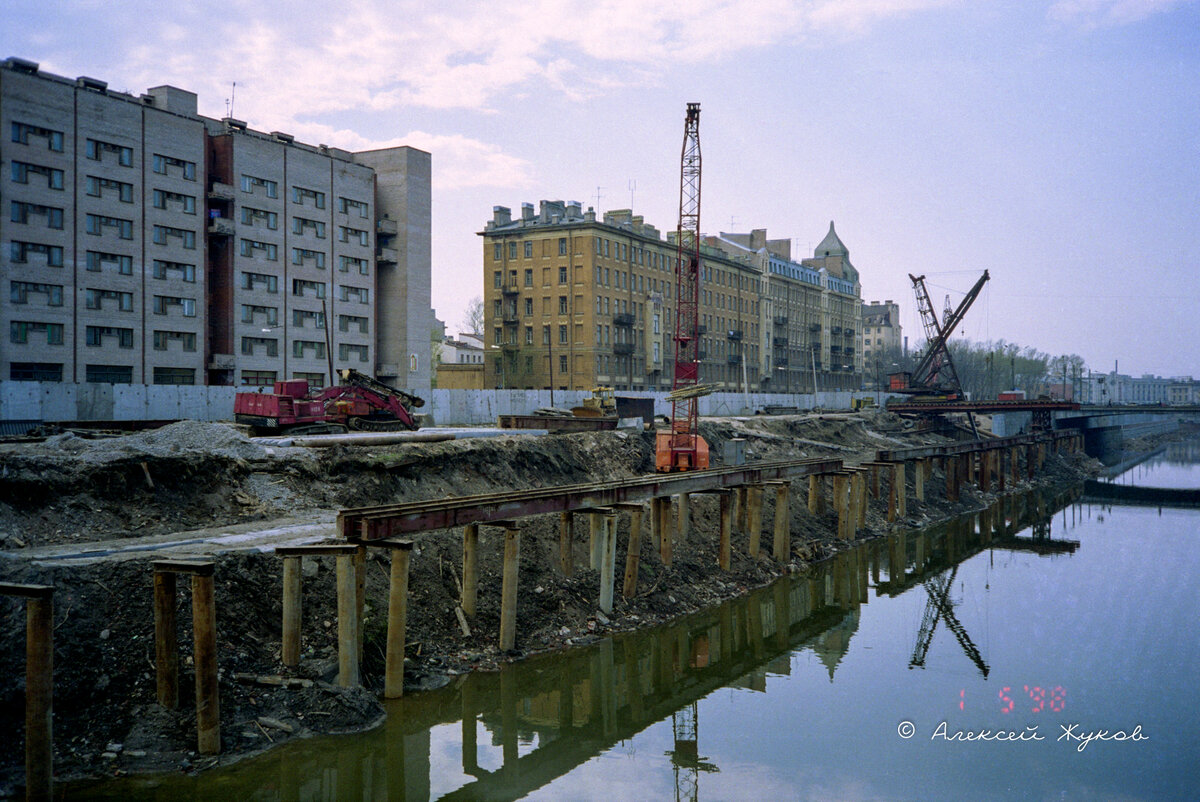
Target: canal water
x=893 y=671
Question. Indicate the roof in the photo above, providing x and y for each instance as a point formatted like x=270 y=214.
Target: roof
x=832 y=245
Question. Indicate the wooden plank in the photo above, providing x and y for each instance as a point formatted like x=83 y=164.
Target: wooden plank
x=316 y=550
x=26 y=591
x=633 y=552
x=204 y=651
x=166 y=647
x=39 y=697
x=348 y=676
x=193 y=567
x=291 y=611
x=508 y=590
x=393 y=683
x=470 y=577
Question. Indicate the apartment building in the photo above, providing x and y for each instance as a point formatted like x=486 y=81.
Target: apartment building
x=572 y=301
x=148 y=244
x=882 y=339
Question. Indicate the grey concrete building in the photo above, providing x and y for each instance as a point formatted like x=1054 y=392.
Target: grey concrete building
x=145 y=243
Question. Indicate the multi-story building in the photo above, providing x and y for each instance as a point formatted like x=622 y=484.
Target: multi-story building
x=572 y=301
x=882 y=340
x=148 y=244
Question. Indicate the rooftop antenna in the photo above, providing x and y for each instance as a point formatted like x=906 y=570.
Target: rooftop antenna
x=632 y=188
x=229 y=100
x=598 y=197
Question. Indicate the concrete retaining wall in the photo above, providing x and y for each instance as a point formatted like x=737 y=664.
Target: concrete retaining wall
x=53 y=401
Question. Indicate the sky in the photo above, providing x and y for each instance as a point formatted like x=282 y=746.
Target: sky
x=1054 y=143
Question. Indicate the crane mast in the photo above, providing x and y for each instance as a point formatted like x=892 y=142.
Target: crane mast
x=684 y=449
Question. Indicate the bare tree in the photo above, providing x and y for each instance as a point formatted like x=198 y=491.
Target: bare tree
x=473 y=316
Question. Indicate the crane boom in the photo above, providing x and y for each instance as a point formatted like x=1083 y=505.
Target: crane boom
x=683 y=448
x=936 y=360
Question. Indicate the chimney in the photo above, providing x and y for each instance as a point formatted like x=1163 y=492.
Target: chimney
x=175 y=100
x=574 y=209
x=758 y=239
x=527 y=212
x=501 y=215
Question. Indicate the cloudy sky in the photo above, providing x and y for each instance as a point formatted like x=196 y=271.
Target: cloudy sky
x=1055 y=143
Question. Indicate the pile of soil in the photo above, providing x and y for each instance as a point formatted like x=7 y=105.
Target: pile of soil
x=69 y=490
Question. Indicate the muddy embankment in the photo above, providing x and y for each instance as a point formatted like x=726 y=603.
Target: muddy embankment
x=106 y=721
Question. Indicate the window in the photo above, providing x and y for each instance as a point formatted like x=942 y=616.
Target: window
x=528 y=307
x=269 y=345
x=496 y=251
x=562 y=246
x=186 y=272
x=262 y=250
x=96 y=151
x=95 y=336
x=354 y=235
x=562 y=304
x=22 y=170
x=348 y=352
x=529 y=335
x=360 y=294
x=302 y=255
x=528 y=250
x=19 y=292
x=109 y=374
x=562 y=335
x=545 y=335
x=562 y=364
x=301 y=224
x=562 y=275
x=361 y=265
x=497 y=279
x=316 y=381
x=301 y=347
x=164 y=303
x=301 y=317
x=302 y=196
x=97 y=222
x=165 y=165
x=260 y=217
x=270 y=314
x=21 y=132
x=301 y=287
x=528 y=278
x=163 y=339
x=19 y=331
x=187 y=238
x=348 y=206
x=251 y=281
x=258 y=378
x=21 y=212
x=19 y=252
x=35 y=371
x=174 y=376
x=96 y=187
x=94 y=299
x=512 y=250
x=346 y=322
x=254 y=185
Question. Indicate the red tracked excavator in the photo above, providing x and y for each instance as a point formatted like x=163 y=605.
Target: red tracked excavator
x=359 y=402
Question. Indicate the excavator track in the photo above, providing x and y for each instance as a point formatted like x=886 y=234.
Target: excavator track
x=370 y=425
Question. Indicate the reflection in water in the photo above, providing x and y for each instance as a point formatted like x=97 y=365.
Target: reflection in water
x=542 y=718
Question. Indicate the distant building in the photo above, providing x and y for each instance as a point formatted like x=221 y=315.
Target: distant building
x=147 y=244
x=883 y=338
x=1119 y=388
x=572 y=301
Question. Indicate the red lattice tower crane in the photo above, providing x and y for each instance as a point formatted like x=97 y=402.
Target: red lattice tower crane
x=682 y=448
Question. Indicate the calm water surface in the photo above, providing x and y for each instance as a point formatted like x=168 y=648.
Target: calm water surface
x=849 y=683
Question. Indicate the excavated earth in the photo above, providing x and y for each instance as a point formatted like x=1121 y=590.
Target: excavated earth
x=70 y=495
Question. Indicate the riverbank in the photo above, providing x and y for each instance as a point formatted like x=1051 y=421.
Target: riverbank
x=71 y=493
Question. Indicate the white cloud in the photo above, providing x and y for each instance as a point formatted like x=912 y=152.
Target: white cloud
x=1090 y=14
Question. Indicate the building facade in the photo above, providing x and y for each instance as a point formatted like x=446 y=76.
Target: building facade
x=882 y=341
x=572 y=301
x=147 y=244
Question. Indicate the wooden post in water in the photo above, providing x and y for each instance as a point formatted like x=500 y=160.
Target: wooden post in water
x=841 y=506
x=952 y=478
x=898 y=475
x=508 y=591
x=594 y=536
x=725 y=548
x=566 y=560
x=1014 y=456
x=874 y=481
x=754 y=501
x=815 y=503
x=166 y=646
x=782 y=547
x=1001 y=473
x=204 y=654
x=893 y=495
x=39 y=686
x=919 y=480
x=360 y=595
x=290 y=651
x=348 y=623
x=664 y=528
x=397 y=624
x=985 y=470
x=861 y=515
x=743 y=507
x=470 y=578
x=633 y=550
x=608 y=559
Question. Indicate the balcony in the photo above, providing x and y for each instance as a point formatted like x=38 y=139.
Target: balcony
x=835 y=330
x=623 y=319
x=510 y=290
x=848 y=350
x=779 y=342
x=387 y=256
x=735 y=334
x=814 y=326
x=848 y=332
x=622 y=349
x=222 y=362
x=781 y=320
x=781 y=361
x=835 y=349
x=735 y=359
x=510 y=348
x=221 y=191
x=386 y=227
x=511 y=318
x=220 y=227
